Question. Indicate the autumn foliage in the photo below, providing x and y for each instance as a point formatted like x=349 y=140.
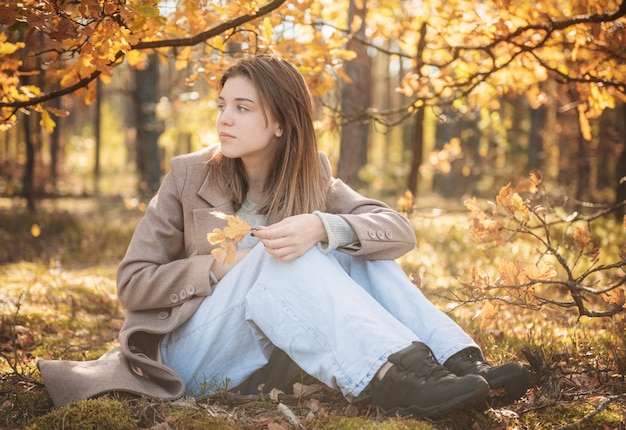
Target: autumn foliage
x=569 y=270
x=226 y=238
x=460 y=52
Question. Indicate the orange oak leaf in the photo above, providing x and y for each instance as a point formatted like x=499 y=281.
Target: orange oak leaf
x=484 y=227
x=489 y=314
x=226 y=239
x=512 y=202
x=615 y=297
x=581 y=237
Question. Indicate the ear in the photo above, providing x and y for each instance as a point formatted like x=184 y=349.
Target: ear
x=278 y=132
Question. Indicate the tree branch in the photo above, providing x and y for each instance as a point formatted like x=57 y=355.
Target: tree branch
x=189 y=41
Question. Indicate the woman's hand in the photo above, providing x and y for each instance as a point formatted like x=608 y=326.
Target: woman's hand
x=220 y=269
x=293 y=236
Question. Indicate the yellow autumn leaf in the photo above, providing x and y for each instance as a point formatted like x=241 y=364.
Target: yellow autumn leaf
x=510 y=272
x=489 y=314
x=35 y=230
x=225 y=252
x=581 y=237
x=136 y=57
x=219 y=43
x=236 y=229
x=344 y=75
x=405 y=203
x=216 y=236
x=226 y=239
x=585 y=127
x=7 y=48
x=512 y=202
x=615 y=297
x=47 y=122
x=268 y=29
x=540 y=271
x=356 y=24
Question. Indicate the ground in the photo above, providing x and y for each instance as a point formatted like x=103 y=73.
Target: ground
x=57 y=300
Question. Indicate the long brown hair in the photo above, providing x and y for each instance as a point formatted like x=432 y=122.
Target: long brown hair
x=296 y=183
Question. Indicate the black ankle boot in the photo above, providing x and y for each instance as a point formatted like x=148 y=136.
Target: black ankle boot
x=418 y=385
x=513 y=377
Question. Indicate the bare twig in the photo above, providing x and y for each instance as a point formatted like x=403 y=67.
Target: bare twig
x=605 y=404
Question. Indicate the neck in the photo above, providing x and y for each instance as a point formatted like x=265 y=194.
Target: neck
x=256 y=185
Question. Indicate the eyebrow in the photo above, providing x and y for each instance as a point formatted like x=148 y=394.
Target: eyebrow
x=239 y=99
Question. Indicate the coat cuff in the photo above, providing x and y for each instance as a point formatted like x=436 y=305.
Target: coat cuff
x=340 y=232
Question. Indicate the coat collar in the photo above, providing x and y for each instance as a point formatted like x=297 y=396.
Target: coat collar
x=212 y=194
x=209 y=192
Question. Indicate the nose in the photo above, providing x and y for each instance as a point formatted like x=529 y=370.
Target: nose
x=224 y=117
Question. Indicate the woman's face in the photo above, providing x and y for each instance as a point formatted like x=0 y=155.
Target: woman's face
x=241 y=124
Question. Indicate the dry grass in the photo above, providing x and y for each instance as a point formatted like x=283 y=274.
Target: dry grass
x=57 y=300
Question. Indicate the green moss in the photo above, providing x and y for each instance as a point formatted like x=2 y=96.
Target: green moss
x=191 y=418
x=96 y=414
x=567 y=414
x=334 y=423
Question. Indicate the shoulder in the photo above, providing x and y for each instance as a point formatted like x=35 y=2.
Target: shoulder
x=192 y=159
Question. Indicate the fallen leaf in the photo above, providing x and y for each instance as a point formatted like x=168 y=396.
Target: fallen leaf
x=301 y=390
x=274 y=394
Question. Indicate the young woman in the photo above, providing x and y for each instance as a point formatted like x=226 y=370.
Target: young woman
x=314 y=285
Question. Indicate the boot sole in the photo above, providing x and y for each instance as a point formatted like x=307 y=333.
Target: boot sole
x=466 y=401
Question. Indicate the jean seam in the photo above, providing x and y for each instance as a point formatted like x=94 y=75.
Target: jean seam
x=315 y=333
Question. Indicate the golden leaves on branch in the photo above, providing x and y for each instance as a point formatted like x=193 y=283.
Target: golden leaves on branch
x=512 y=203
x=615 y=297
x=485 y=227
x=227 y=238
x=557 y=277
x=516 y=283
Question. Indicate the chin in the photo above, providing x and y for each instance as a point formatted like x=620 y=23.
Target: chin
x=228 y=153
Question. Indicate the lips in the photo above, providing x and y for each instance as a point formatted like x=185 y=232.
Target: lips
x=225 y=136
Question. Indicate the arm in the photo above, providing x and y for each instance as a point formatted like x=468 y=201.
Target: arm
x=368 y=228
x=383 y=233
x=157 y=271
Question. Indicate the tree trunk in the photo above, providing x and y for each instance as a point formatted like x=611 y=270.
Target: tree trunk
x=621 y=170
x=55 y=139
x=417 y=140
x=417 y=129
x=148 y=128
x=29 y=168
x=355 y=99
x=97 y=138
x=535 y=142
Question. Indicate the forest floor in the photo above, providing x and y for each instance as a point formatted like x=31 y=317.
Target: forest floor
x=58 y=301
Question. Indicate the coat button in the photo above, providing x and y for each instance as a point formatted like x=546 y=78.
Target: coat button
x=191 y=290
x=174 y=298
x=380 y=235
x=163 y=315
x=182 y=294
x=388 y=234
x=372 y=234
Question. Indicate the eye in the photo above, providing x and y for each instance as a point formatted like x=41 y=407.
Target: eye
x=220 y=107
x=242 y=108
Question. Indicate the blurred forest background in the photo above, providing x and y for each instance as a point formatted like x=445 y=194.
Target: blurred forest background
x=451 y=98
x=432 y=106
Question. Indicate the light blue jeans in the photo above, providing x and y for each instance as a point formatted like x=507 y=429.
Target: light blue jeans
x=338 y=317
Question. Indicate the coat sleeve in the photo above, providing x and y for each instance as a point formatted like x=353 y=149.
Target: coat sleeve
x=157 y=271
x=383 y=233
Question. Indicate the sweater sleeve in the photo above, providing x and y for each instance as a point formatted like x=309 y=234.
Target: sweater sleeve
x=340 y=233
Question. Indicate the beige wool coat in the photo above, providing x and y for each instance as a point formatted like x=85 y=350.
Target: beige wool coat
x=164 y=277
